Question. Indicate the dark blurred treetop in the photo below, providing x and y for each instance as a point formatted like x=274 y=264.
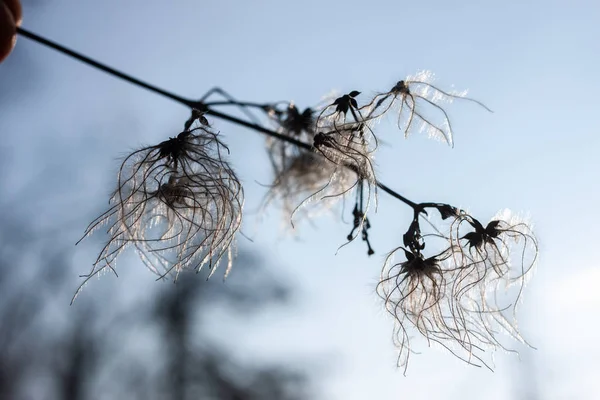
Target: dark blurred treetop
x=87 y=352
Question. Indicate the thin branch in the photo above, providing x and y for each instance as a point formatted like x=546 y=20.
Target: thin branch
x=102 y=67
x=195 y=104
x=260 y=106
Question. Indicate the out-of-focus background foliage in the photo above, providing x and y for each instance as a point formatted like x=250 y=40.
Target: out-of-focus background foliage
x=294 y=320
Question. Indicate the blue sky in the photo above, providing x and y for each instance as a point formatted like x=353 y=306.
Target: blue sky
x=534 y=63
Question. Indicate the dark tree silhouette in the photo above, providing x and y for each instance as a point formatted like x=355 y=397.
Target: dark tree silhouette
x=49 y=350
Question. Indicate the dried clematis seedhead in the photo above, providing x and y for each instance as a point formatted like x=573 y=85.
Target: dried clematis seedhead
x=178 y=203
x=304 y=176
x=420 y=106
x=497 y=261
x=340 y=161
x=505 y=248
x=461 y=298
x=338 y=110
x=292 y=123
x=344 y=114
x=298 y=173
x=304 y=182
x=298 y=124
x=415 y=293
x=351 y=146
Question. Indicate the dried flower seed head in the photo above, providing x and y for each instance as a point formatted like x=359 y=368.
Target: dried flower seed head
x=302 y=176
x=415 y=293
x=178 y=203
x=298 y=124
x=492 y=264
x=334 y=117
x=419 y=293
x=418 y=101
x=337 y=111
x=351 y=146
x=305 y=183
x=296 y=185
x=461 y=298
x=506 y=246
x=502 y=256
x=292 y=123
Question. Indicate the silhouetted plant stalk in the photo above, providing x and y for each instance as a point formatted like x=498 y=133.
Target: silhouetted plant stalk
x=179 y=204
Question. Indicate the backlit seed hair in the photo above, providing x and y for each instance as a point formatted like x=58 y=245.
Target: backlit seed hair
x=336 y=113
x=306 y=183
x=418 y=294
x=308 y=186
x=465 y=297
x=351 y=146
x=178 y=203
x=418 y=101
x=292 y=123
x=497 y=261
x=413 y=291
